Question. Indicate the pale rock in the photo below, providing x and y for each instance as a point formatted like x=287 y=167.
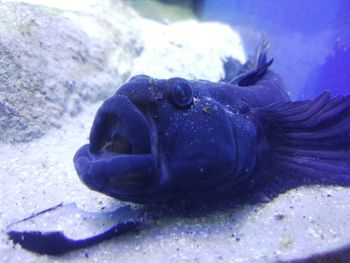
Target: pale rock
x=56 y=56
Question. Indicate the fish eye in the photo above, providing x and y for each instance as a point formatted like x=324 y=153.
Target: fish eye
x=182 y=94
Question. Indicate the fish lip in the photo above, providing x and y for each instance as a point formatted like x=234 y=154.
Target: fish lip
x=98 y=172
x=91 y=156
x=85 y=164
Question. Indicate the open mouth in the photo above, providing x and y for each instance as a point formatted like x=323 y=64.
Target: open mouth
x=119 y=160
x=119 y=127
x=118 y=145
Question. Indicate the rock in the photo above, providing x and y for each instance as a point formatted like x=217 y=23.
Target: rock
x=52 y=60
x=56 y=59
x=187 y=49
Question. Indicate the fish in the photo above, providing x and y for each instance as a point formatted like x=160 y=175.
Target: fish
x=171 y=140
x=174 y=141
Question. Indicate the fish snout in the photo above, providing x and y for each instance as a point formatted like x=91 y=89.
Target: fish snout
x=119 y=160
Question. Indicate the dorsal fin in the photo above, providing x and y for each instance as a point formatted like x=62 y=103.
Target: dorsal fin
x=232 y=69
x=256 y=66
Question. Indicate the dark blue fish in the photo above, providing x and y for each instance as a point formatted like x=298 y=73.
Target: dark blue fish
x=161 y=140
x=165 y=141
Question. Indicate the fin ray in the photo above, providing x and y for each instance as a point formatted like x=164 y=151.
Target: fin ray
x=325 y=155
x=309 y=141
x=255 y=68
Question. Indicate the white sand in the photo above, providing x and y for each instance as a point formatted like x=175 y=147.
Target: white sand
x=40 y=174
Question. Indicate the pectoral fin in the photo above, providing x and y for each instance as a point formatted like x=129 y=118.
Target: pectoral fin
x=309 y=142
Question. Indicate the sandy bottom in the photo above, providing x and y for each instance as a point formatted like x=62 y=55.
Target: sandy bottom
x=40 y=174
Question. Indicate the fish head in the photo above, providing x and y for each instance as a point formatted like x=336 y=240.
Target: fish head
x=156 y=139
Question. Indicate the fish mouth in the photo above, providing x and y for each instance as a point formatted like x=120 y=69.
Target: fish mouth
x=118 y=145
x=120 y=127
x=120 y=160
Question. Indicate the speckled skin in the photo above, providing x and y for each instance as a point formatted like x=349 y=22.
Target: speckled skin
x=227 y=139
x=180 y=151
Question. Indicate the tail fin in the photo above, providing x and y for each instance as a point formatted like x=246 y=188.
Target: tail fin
x=309 y=141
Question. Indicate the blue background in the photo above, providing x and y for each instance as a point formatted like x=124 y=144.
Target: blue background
x=310 y=39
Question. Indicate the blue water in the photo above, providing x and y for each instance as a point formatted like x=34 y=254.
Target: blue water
x=310 y=40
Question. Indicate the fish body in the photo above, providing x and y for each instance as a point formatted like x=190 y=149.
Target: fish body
x=162 y=140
